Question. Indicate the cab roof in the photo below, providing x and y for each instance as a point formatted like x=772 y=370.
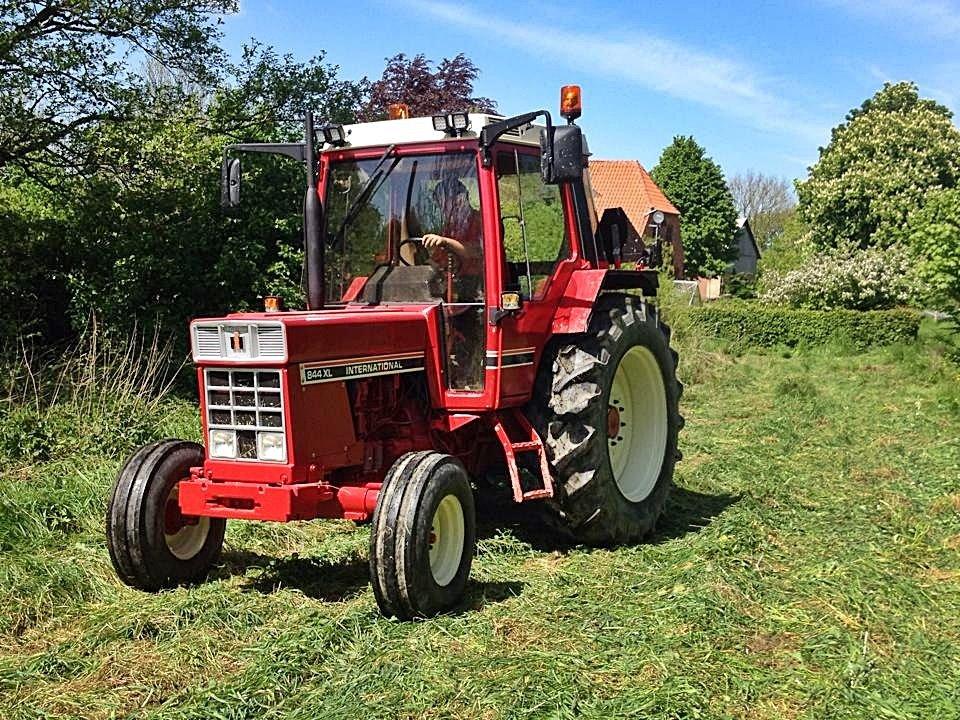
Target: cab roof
x=412 y=130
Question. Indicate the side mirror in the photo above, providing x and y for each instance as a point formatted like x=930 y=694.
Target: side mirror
x=230 y=183
x=561 y=156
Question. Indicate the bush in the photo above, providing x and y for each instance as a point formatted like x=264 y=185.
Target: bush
x=846 y=277
x=752 y=324
x=741 y=285
x=102 y=395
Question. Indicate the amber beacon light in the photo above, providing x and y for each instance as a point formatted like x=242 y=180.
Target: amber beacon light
x=571 y=105
x=398 y=111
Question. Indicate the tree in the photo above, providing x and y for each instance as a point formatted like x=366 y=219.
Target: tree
x=426 y=91
x=766 y=201
x=694 y=183
x=934 y=233
x=143 y=240
x=65 y=66
x=879 y=166
x=153 y=242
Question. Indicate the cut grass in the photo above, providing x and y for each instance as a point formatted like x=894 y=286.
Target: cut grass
x=808 y=566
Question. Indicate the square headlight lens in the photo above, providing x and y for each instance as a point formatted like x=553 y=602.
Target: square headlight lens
x=223 y=443
x=270 y=446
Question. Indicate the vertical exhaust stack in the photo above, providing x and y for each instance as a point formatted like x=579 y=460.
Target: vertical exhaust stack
x=312 y=220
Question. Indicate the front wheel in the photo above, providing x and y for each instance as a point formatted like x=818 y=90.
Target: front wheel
x=423 y=536
x=606 y=405
x=152 y=544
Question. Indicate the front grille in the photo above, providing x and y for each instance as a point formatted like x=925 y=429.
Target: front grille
x=245 y=402
x=239 y=341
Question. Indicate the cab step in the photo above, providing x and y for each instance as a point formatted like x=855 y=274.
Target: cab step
x=529 y=443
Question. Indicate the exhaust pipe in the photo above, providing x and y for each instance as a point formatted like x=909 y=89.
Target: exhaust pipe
x=312 y=220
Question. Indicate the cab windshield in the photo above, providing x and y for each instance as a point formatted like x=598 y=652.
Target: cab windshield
x=404 y=229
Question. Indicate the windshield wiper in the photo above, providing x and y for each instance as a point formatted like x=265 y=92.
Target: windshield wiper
x=361 y=199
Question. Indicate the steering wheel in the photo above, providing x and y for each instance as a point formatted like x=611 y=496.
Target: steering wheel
x=408 y=241
x=454 y=263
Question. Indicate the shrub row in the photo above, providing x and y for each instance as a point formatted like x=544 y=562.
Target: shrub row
x=765 y=326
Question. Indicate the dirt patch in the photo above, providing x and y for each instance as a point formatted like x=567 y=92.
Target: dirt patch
x=767 y=643
x=943 y=575
x=882 y=473
x=946 y=503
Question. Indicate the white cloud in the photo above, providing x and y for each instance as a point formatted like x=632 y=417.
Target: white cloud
x=925 y=18
x=658 y=64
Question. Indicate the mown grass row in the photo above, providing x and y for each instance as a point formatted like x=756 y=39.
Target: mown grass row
x=808 y=566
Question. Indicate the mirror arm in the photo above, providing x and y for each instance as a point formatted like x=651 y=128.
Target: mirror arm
x=298 y=151
x=492 y=132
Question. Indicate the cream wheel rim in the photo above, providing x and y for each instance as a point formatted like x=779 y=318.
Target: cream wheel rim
x=185 y=536
x=446 y=540
x=637 y=423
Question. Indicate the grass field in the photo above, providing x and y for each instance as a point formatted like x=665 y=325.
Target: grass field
x=808 y=566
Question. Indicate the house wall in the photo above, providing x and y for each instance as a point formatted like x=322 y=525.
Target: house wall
x=747 y=258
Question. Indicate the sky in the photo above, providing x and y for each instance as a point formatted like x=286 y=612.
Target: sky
x=759 y=85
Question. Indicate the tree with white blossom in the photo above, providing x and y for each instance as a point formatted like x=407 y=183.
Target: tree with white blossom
x=879 y=167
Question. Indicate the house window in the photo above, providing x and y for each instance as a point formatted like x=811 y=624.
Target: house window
x=531 y=219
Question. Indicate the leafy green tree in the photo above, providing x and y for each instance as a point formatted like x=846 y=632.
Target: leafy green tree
x=66 y=65
x=153 y=242
x=793 y=247
x=934 y=232
x=879 y=166
x=34 y=261
x=695 y=184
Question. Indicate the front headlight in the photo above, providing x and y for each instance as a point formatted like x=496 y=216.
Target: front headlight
x=223 y=443
x=270 y=446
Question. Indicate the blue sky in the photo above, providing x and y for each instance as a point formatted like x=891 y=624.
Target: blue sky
x=758 y=84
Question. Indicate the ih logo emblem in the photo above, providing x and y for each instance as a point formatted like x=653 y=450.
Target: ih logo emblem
x=236 y=341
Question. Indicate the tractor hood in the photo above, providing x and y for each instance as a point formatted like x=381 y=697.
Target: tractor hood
x=311 y=357
x=326 y=344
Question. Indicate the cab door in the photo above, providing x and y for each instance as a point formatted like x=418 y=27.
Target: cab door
x=537 y=261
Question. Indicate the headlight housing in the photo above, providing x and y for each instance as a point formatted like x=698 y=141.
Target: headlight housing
x=223 y=444
x=270 y=446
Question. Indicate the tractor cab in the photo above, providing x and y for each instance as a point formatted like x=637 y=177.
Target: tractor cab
x=446 y=220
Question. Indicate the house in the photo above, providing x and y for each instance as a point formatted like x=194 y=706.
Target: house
x=626 y=184
x=748 y=252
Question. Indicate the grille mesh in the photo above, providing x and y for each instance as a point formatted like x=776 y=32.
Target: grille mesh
x=246 y=401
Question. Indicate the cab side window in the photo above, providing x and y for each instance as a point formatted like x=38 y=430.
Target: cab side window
x=531 y=218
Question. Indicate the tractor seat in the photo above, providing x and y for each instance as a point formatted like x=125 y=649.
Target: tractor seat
x=402 y=283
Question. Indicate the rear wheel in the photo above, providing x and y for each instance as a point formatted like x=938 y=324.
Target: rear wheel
x=606 y=405
x=152 y=544
x=423 y=535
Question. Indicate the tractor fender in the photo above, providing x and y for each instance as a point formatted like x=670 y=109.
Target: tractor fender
x=576 y=303
x=580 y=295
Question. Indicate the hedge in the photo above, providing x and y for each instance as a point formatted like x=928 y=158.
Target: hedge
x=750 y=323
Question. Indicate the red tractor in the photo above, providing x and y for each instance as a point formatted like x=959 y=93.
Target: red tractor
x=466 y=314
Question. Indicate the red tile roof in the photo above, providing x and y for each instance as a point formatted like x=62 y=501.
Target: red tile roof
x=626 y=184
